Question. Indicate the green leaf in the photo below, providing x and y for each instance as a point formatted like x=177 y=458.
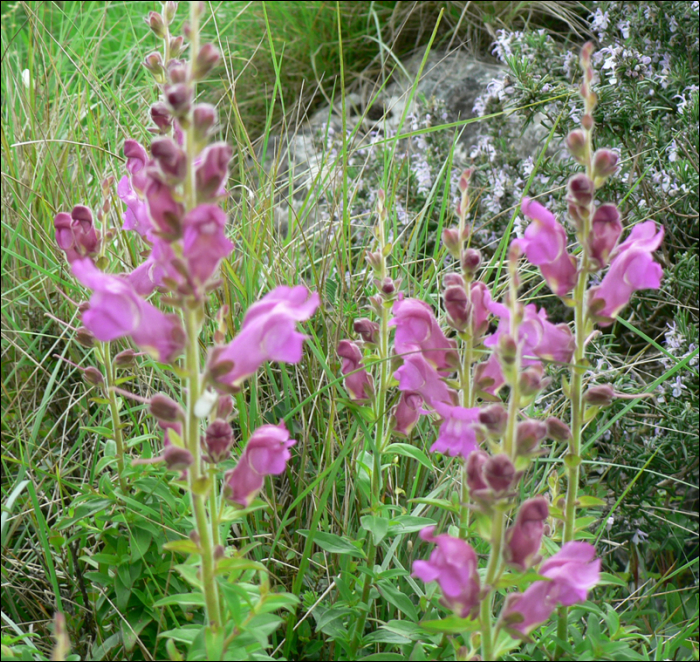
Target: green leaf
x=238 y=563
x=411 y=451
x=400 y=600
x=132 y=628
x=185 y=634
x=586 y=501
x=185 y=546
x=140 y=542
x=187 y=599
x=334 y=544
x=451 y=625
x=409 y=524
x=377 y=526
x=443 y=504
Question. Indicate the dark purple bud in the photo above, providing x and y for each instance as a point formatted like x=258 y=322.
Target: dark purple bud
x=387 y=286
x=203 y=119
x=219 y=552
x=212 y=173
x=581 y=190
x=160 y=114
x=499 y=473
x=171 y=159
x=224 y=407
x=218 y=441
x=474 y=470
x=166 y=409
x=207 y=58
x=458 y=307
x=494 y=418
x=558 y=430
x=177 y=72
x=599 y=396
x=176 y=458
x=179 y=98
x=604 y=163
x=529 y=435
x=452 y=242
x=367 y=329
x=93 y=376
x=576 y=144
x=85 y=337
x=471 y=260
x=452 y=280
x=155 y=21
x=524 y=538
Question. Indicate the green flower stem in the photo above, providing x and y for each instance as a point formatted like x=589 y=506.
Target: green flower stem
x=110 y=381
x=214 y=508
x=466 y=399
x=491 y=574
x=199 y=485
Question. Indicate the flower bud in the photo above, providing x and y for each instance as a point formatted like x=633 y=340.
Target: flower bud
x=219 y=552
x=218 y=441
x=457 y=306
x=471 y=260
x=203 y=119
x=93 y=376
x=599 y=396
x=377 y=304
x=160 y=114
x=224 y=407
x=177 y=71
x=524 y=538
x=587 y=120
x=176 y=44
x=474 y=471
x=367 y=329
x=586 y=52
x=171 y=159
x=166 y=409
x=578 y=215
x=580 y=190
x=452 y=242
x=155 y=21
x=529 y=434
x=606 y=229
x=532 y=380
x=176 y=458
x=179 y=98
x=387 y=286
x=576 y=144
x=212 y=172
x=507 y=349
x=464 y=179
x=499 y=473
x=169 y=10
x=375 y=261
x=154 y=63
x=452 y=280
x=406 y=413
x=494 y=418
x=207 y=58
x=604 y=164
x=125 y=359
x=85 y=337
x=558 y=430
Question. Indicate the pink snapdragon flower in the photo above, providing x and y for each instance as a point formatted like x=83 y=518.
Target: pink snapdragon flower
x=204 y=242
x=136 y=216
x=116 y=310
x=571 y=573
x=544 y=244
x=458 y=435
x=358 y=382
x=75 y=233
x=268 y=333
x=453 y=565
x=524 y=539
x=406 y=413
x=417 y=328
x=265 y=454
x=632 y=269
x=136 y=162
x=417 y=374
x=606 y=229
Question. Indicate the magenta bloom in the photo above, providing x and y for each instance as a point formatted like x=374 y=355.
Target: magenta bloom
x=416 y=374
x=163 y=210
x=606 y=229
x=524 y=539
x=136 y=162
x=457 y=433
x=212 y=172
x=417 y=328
x=632 y=269
x=268 y=333
x=453 y=565
x=572 y=572
x=136 y=216
x=407 y=413
x=358 y=384
x=204 y=242
x=266 y=453
x=75 y=233
x=116 y=310
x=488 y=375
x=544 y=244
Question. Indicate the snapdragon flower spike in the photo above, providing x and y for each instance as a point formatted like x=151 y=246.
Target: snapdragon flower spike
x=544 y=244
x=524 y=539
x=265 y=454
x=75 y=233
x=406 y=413
x=632 y=269
x=116 y=311
x=358 y=382
x=458 y=432
x=268 y=333
x=572 y=572
x=453 y=565
x=416 y=327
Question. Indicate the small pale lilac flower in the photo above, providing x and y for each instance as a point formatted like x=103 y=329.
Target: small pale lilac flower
x=453 y=565
x=265 y=454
